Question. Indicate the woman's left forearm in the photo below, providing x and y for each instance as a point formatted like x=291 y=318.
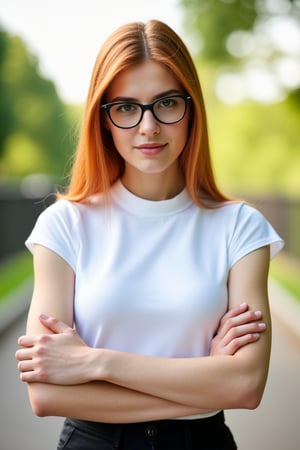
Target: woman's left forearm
x=212 y=382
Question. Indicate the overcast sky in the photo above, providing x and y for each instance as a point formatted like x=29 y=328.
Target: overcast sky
x=67 y=34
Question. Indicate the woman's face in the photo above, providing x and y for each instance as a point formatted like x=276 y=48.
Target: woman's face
x=151 y=147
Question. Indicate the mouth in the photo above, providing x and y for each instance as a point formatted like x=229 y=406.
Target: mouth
x=153 y=148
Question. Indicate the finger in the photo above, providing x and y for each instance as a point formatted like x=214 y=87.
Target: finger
x=27 y=341
x=25 y=366
x=241 y=319
x=30 y=376
x=234 y=312
x=53 y=324
x=242 y=341
x=244 y=318
x=243 y=307
x=24 y=354
x=243 y=330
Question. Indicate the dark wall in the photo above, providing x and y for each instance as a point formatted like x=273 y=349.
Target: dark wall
x=17 y=217
x=18 y=214
x=284 y=215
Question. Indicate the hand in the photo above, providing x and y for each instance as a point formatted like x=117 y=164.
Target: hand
x=238 y=327
x=58 y=358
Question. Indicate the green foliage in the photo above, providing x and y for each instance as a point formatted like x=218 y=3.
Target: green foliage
x=22 y=155
x=6 y=116
x=253 y=40
x=214 y=20
x=256 y=148
x=35 y=124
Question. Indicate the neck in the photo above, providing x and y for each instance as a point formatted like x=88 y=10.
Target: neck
x=155 y=187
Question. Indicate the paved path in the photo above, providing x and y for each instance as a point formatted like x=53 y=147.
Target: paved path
x=19 y=428
x=274 y=425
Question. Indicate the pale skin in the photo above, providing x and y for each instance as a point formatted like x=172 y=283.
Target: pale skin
x=67 y=378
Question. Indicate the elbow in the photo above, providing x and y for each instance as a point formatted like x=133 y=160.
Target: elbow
x=252 y=400
x=252 y=394
x=249 y=383
x=40 y=400
x=245 y=399
x=39 y=409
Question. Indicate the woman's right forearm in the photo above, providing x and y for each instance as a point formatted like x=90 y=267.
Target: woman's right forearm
x=102 y=402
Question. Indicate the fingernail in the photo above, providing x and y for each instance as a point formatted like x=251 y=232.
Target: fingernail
x=262 y=326
x=257 y=313
x=43 y=316
x=242 y=305
x=255 y=335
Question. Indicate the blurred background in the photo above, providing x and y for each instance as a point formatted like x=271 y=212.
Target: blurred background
x=248 y=56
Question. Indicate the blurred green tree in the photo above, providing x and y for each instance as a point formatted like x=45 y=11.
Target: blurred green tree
x=6 y=116
x=248 y=57
x=256 y=148
x=36 y=132
x=212 y=21
x=257 y=40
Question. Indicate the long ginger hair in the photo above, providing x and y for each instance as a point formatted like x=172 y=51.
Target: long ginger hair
x=97 y=163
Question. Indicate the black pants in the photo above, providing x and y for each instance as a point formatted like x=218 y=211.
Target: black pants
x=200 y=434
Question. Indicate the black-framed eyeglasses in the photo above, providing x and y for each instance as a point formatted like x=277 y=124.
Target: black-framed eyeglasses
x=167 y=110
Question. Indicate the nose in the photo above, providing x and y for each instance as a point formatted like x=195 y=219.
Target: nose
x=149 y=125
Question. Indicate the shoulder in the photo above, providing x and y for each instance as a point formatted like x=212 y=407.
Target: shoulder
x=248 y=229
x=234 y=208
x=231 y=213
x=239 y=217
x=68 y=211
x=242 y=215
x=59 y=213
x=241 y=211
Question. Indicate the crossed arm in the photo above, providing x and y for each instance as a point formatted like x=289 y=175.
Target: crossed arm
x=67 y=378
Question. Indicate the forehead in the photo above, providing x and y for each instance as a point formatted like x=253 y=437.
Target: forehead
x=142 y=82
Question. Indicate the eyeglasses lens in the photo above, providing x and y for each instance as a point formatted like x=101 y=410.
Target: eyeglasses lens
x=167 y=110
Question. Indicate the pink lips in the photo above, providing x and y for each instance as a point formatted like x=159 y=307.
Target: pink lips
x=151 y=148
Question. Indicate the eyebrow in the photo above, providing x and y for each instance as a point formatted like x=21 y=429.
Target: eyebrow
x=156 y=97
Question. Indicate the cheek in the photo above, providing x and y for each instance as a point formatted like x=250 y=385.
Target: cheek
x=121 y=139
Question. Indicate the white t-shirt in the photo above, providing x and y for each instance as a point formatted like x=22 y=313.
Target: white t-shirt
x=151 y=277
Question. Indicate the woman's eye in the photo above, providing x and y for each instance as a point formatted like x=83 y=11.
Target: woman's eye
x=167 y=103
x=126 y=107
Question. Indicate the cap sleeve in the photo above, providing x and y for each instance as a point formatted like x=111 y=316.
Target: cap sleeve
x=252 y=231
x=55 y=229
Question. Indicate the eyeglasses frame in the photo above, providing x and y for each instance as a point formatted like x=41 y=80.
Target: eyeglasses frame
x=145 y=107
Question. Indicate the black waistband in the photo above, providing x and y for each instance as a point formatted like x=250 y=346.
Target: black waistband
x=151 y=428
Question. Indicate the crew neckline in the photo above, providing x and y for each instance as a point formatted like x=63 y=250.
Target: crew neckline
x=140 y=206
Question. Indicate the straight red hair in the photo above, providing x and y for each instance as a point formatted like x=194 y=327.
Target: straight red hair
x=97 y=164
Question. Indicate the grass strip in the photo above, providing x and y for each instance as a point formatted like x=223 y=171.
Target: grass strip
x=13 y=271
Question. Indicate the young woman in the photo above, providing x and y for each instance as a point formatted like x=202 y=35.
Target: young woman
x=150 y=284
